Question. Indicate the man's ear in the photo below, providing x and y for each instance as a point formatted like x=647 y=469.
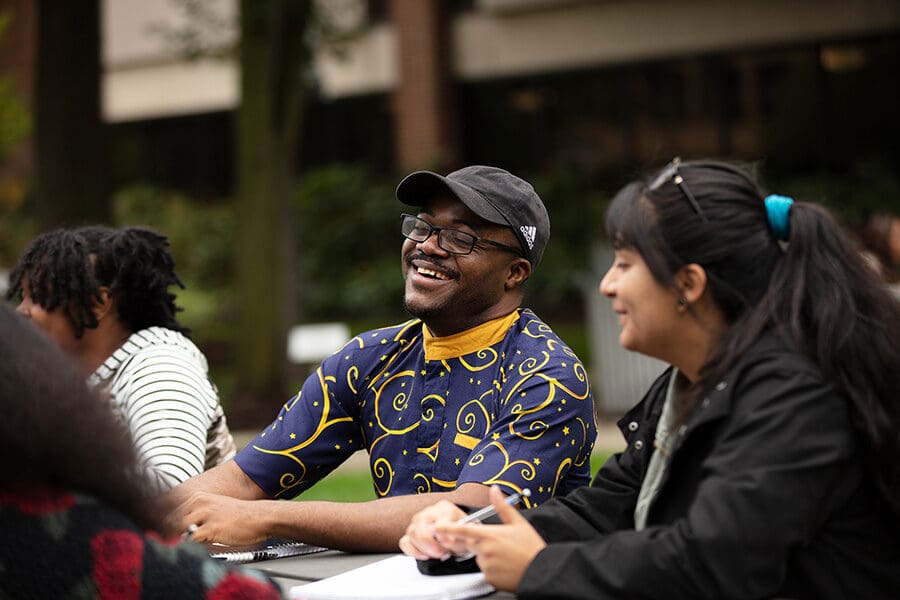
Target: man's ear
x=691 y=280
x=519 y=272
x=103 y=305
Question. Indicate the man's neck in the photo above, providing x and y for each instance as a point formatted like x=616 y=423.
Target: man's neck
x=99 y=343
x=469 y=340
x=443 y=328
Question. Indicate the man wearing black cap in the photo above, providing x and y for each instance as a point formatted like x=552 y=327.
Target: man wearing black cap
x=473 y=392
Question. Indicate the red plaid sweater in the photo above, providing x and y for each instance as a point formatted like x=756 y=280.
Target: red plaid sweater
x=56 y=544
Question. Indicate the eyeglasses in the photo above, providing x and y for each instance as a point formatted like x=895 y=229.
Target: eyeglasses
x=454 y=241
x=670 y=173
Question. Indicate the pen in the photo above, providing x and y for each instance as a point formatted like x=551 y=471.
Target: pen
x=488 y=511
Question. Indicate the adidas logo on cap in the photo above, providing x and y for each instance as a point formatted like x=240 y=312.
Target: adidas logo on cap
x=529 y=231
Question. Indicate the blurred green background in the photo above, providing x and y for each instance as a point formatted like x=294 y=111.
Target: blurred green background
x=277 y=195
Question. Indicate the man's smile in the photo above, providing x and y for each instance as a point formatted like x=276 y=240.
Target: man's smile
x=430 y=270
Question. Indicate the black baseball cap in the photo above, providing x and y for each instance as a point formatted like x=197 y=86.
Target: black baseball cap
x=493 y=194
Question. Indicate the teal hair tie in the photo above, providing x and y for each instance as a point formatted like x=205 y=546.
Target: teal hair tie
x=778 y=211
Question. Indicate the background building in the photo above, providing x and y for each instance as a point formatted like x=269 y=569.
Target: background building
x=603 y=89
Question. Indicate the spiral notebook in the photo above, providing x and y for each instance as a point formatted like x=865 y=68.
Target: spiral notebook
x=271 y=548
x=397 y=578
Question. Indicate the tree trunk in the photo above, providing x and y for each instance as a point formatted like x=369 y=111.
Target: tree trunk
x=273 y=62
x=71 y=184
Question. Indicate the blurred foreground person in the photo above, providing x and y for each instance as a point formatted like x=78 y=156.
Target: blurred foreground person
x=75 y=508
x=103 y=296
x=764 y=462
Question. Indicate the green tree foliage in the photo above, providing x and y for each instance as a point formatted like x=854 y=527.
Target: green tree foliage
x=200 y=234
x=15 y=125
x=348 y=245
x=201 y=237
x=576 y=211
x=15 y=118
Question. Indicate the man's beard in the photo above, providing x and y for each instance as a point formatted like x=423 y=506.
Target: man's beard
x=422 y=312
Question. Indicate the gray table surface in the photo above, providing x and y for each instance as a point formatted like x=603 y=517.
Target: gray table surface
x=297 y=570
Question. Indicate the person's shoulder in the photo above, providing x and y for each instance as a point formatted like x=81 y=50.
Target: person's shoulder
x=771 y=371
x=772 y=352
x=400 y=334
x=532 y=331
x=155 y=344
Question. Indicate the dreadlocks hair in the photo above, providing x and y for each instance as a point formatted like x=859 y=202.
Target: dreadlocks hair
x=66 y=268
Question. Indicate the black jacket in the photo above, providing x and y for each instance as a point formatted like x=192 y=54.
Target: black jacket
x=766 y=495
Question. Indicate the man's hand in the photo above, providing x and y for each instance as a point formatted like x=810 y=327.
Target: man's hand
x=223 y=520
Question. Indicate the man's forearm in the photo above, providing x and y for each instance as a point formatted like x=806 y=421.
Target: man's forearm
x=374 y=526
x=226 y=479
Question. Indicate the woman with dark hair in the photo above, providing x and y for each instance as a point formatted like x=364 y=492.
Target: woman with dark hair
x=103 y=296
x=764 y=462
x=74 y=505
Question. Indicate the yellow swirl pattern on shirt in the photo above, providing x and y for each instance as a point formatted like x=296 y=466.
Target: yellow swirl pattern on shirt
x=467 y=417
x=580 y=374
x=352 y=377
x=424 y=485
x=585 y=443
x=381 y=471
x=431 y=451
x=527 y=471
x=487 y=353
x=560 y=471
x=428 y=411
x=397 y=403
x=533 y=367
x=536 y=428
x=536 y=329
x=289 y=480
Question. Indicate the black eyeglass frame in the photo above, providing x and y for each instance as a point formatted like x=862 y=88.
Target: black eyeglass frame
x=404 y=217
x=670 y=173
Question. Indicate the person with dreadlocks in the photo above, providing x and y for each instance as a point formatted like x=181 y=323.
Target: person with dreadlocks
x=103 y=296
x=79 y=518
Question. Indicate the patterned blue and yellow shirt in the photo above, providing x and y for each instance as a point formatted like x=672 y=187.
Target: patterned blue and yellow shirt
x=504 y=403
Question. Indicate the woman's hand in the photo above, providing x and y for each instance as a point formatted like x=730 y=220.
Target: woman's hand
x=419 y=540
x=503 y=552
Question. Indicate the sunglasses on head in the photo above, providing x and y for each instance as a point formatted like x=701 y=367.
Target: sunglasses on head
x=670 y=173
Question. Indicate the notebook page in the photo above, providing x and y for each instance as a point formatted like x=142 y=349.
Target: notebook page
x=394 y=577
x=269 y=549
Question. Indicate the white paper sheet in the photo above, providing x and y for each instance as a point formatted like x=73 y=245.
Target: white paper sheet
x=395 y=577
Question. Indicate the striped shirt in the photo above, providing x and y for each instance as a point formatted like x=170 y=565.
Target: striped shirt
x=158 y=381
